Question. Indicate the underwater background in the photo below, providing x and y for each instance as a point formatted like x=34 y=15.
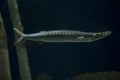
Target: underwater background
x=66 y=60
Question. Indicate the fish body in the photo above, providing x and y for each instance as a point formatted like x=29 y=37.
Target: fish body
x=63 y=36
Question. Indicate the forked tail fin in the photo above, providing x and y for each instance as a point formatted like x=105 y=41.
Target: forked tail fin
x=20 y=34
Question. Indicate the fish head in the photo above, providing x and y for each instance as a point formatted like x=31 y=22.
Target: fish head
x=89 y=37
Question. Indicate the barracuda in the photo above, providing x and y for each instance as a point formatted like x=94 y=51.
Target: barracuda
x=62 y=36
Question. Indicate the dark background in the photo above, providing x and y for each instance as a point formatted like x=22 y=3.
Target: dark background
x=66 y=60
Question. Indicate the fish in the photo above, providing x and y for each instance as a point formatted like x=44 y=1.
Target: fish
x=61 y=36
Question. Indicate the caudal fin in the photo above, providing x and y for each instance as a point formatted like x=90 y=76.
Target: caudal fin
x=20 y=34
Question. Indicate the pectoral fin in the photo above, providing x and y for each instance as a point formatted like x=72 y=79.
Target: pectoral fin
x=80 y=38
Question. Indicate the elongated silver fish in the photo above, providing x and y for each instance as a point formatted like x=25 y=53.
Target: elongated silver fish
x=62 y=36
